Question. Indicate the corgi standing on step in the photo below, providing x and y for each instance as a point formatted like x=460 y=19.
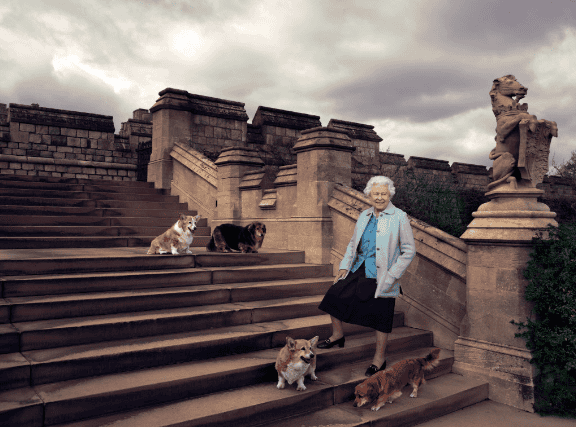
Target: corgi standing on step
x=178 y=238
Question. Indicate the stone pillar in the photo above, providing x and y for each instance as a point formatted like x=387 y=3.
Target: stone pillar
x=232 y=164
x=499 y=245
x=171 y=119
x=324 y=158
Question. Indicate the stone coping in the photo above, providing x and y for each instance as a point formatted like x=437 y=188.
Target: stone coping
x=284 y=118
x=355 y=130
x=69 y=162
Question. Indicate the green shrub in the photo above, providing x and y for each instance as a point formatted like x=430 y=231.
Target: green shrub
x=551 y=333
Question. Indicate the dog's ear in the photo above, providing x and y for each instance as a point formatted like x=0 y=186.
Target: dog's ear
x=291 y=343
x=314 y=340
x=181 y=216
x=251 y=227
x=197 y=217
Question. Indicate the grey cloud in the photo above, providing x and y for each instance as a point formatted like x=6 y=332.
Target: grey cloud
x=495 y=25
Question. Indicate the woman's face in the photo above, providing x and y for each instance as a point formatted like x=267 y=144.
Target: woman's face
x=379 y=196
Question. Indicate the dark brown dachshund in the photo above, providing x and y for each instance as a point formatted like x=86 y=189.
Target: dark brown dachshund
x=228 y=237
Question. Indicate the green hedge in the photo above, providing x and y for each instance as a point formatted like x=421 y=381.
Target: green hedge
x=551 y=333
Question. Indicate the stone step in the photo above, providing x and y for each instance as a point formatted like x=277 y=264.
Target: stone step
x=70 y=400
x=77 y=195
x=87 y=220
x=54 y=333
x=45 y=261
x=108 y=186
x=32 y=180
x=93 y=203
x=27 y=242
x=78 y=230
x=43 y=285
x=259 y=403
x=91 y=304
x=80 y=361
x=29 y=211
x=439 y=396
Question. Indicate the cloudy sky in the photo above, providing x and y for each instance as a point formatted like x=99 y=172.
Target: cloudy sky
x=419 y=71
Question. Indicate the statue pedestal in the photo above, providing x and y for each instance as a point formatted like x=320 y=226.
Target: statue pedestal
x=499 y=245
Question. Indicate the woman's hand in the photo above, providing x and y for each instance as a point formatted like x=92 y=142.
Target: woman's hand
x=341 y=274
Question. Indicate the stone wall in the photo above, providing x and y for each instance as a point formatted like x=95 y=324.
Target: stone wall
x=61 y=143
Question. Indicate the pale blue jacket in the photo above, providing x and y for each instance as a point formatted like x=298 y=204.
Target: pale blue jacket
x=395 y=248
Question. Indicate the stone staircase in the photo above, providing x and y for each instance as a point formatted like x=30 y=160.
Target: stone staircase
x=95 y=332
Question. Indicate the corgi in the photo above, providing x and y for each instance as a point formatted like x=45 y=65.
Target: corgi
x=178 y=238
x=295 y=361
x=387 y=385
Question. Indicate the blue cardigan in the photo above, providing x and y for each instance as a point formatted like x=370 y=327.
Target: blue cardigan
x=395 y=248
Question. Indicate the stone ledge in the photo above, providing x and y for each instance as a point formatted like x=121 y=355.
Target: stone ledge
x=70 y=162
x=196 y=162
x=468 y=168
x=287 y=176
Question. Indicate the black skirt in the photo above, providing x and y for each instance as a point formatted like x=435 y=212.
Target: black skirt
x=352 y=300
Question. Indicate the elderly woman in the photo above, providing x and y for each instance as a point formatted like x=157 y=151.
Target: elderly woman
x=364 y=291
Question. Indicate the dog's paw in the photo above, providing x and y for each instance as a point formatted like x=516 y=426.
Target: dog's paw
x=376 y=408
x=414 y=395
x=313 y=377
x=301 y=387
x=188 y=251
x=280 y=385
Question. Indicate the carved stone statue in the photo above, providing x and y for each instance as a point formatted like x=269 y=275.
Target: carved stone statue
x=522 y=141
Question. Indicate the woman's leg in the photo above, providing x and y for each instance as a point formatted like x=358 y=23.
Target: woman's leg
x=380 y=355
x=337 y=330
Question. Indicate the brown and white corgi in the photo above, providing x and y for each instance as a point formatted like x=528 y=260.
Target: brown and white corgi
x=387 y=385
x=178 y=238
x=295 y=360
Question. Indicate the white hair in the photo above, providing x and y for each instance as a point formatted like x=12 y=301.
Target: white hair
x=380 y=180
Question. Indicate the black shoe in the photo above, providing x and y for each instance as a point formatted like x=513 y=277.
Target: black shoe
x=327 y=344
x=373 y=369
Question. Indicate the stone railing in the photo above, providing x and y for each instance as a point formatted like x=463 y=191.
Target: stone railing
x=434 y=285
x=194 y=179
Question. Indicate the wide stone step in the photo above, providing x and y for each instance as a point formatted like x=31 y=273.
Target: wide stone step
x=31 y=211
x=263 y=403
x=91 y=193
x=93 y=203
x=33 y=180
x=71 y=400
x=42 y=261
x=439 y=396
x=42 y=285
x=78 y=230
x=91 y=220
x=59 y=364
x=29 y=242
x=55 y=333
x=90 y=304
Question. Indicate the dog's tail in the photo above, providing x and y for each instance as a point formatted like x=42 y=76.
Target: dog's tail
x=211 y=246
x=431 y=360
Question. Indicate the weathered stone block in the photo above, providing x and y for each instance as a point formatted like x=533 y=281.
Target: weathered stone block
x=73 y=141
x=59 y=140
x=54 y=130
x=20 y=136
x=46 y=139
x=42 y=129
x=94 y=134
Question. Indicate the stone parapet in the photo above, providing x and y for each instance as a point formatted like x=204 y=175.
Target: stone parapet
x=427 y=163
x=466 y=168
x=356 y=131
x=392 y=159
x=36 y=115
x=284 y=119
x=177 y=99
